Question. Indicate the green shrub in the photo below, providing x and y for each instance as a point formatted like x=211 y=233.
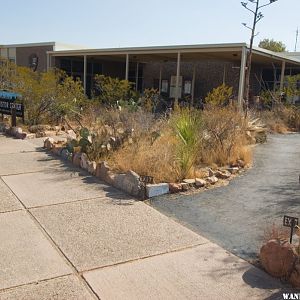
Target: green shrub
x=219 y=95
x=114 y=91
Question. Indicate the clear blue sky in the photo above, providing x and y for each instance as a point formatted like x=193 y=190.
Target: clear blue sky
x=121 y=23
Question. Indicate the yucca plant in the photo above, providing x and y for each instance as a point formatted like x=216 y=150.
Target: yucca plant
x=187 y=126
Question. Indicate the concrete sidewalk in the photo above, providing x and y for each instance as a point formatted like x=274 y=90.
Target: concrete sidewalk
x=65 y=235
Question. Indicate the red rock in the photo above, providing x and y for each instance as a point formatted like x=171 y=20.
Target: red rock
x=175 y=188
x=278 y=258
x=295 y=277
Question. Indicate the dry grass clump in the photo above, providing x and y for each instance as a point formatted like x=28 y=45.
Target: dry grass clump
x=148 y=157
x=282 y=119
x=225 y=139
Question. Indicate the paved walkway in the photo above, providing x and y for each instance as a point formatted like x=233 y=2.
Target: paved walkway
x=64 y=235
x=236 y=216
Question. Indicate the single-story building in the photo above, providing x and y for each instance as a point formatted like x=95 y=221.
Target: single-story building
x=178 y=72
x=192 y=70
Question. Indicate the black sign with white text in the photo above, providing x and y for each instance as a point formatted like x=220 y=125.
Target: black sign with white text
x=7 y=106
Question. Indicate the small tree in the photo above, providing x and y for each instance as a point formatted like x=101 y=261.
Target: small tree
x=69 y=100
x=112 y=91
x=292 y=87
x=257 y=16
x=48 y=96
x=272 y=45
x=38 y=92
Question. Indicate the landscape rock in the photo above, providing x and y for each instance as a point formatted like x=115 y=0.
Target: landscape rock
x=278 y=258
x=91 y=167
x=295 y=277
x=65 y=154
x=48 y=133
x=39 y=128
x=77 y=159
x=30 y=136
x=210 y=172
x=200 y=182
x=185 y=186
x=16 y=130
x=233 y=170
x=153 y=190
x=55 y=128
x=212 y=179
x=222 y=174
x=21 y=135
x=33 y=128
x=175 y=187
x=129 y=182
x=56 y=149
x=84 y=161
x=104 y=172
x=48 y=143
x=60 y=133
x=241 y=163
x=71 y=135
x=189 y=181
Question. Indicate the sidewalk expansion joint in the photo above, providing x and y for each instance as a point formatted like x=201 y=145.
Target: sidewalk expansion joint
x=56 y=247
x=145 y=257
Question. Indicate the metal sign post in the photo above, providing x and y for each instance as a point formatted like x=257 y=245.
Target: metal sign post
x=291 y=222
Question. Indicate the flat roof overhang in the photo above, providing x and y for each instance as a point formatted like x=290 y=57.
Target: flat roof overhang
x=224 y=52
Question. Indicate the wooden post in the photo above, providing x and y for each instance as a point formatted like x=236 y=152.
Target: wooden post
x=13 y=117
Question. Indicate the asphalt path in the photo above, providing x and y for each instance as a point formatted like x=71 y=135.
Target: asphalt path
x=236 y=216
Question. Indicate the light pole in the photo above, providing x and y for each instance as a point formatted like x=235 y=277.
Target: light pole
x=257 y=16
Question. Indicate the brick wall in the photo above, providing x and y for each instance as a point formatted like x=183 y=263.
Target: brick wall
x=209 y=74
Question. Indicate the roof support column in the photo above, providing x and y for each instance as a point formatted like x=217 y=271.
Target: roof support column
x=224 y=74
x=242 y=78
x=282 y=76
x=177 y=81
x=137 y=76
x=159 y=84
x=48 y=61
x=193 y=85
x=127 y=67
x=84 y=72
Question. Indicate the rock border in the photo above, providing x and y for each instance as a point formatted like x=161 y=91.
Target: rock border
x=130 y=182
x=18 y=133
